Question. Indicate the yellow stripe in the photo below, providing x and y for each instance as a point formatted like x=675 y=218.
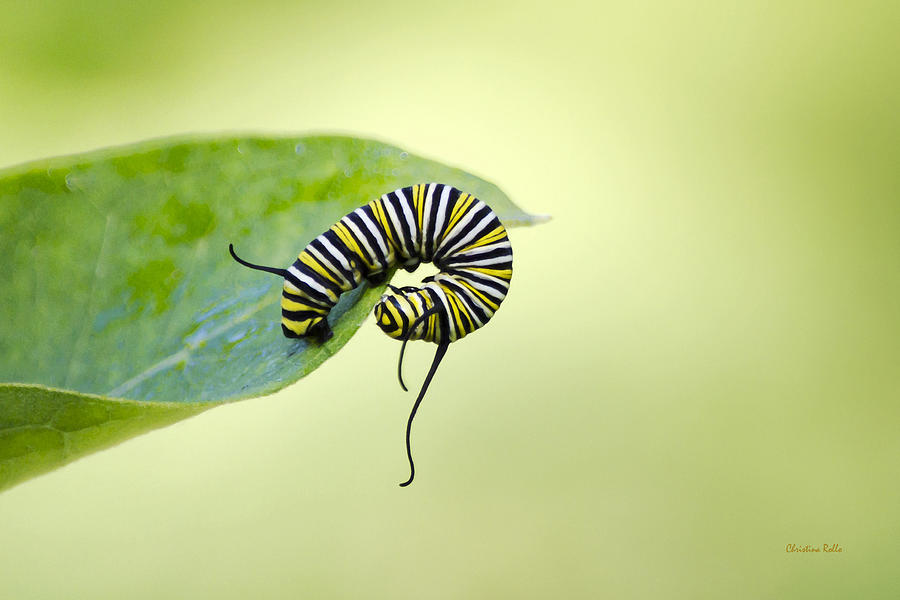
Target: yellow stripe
x=421 y=205
x=381 y=219
x=459 y=202
x=395 y=313
x=430 y=322
x=464 y=310
x=454 y=311
x=345 y=237
x=313 y=264
x=435 y=325
x=468 y=324
x=501 y=273
x=415 y=312
x=457 y=214
x=350 y=242
x=487 y=301
x=494 y=236
x=299 y=327
x=328 y=291
x=288 y=304
x=378 y=209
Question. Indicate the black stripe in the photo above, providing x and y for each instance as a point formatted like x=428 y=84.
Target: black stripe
x=484 y=280
x=399 y=236
x=339 y=245
x=310 y=294
x=478 y=215
x=442 y=327
x=298 y=316
x=391 y=321
x=360 y=259
x=295 y=297
x=428 y=234
x=459 y=261
x=452 y=199
x=398 y=250
x=467 y=312
x=463 y=293
x=404 y=236
x=463 y=318
x=320 y=248
x=415 y=236
x=310 y=272
x=380 y=257
x=288 y=333
x=403 y=316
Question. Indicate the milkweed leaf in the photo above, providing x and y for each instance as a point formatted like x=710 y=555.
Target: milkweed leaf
x=121 y=306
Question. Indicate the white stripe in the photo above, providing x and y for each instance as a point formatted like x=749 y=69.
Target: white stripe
x=418 y=304
x=413 y=310
x=484 y=249
x=487 y=289
x=450 y=320
x=442 y=209
x=474 y=234
x=490 y=293
x=331 y=266
x=463 y=222
x=424 y=324
x=378 y=235
x=311 y=282
x=480 y=263
x=469 y=295
x=334 y=252
x=359 y=234
x=293 y=289
x=426 y=216
x=487 y=310
x=406 y=205
x=405 y=252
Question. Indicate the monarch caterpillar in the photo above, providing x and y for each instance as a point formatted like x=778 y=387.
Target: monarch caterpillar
x=430 y=222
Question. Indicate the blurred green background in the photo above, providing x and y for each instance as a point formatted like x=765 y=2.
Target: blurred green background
x=697 y=363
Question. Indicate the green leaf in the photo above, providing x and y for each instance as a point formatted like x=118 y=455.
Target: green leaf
x=42 y=428
x=117 y=282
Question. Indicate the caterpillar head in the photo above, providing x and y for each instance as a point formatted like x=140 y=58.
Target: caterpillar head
x=390 y=314
x=395 y=313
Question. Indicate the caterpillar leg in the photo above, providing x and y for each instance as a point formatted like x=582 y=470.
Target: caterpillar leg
x=438 y=356
x=321 y=331
x=412 y=264
x=377 y=278
x=406 y=289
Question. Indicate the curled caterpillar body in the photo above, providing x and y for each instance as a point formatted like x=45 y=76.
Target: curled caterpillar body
x=422 y=223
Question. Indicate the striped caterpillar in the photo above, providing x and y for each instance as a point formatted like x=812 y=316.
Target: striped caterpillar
x=430 y=222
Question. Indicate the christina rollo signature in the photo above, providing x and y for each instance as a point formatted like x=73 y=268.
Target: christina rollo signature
x=811 y=548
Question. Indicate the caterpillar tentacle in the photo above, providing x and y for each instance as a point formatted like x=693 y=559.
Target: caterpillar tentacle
x=273 y=270
x=438 y=356
x=409 y=331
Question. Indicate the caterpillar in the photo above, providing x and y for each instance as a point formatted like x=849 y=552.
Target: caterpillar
x=431 y=222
